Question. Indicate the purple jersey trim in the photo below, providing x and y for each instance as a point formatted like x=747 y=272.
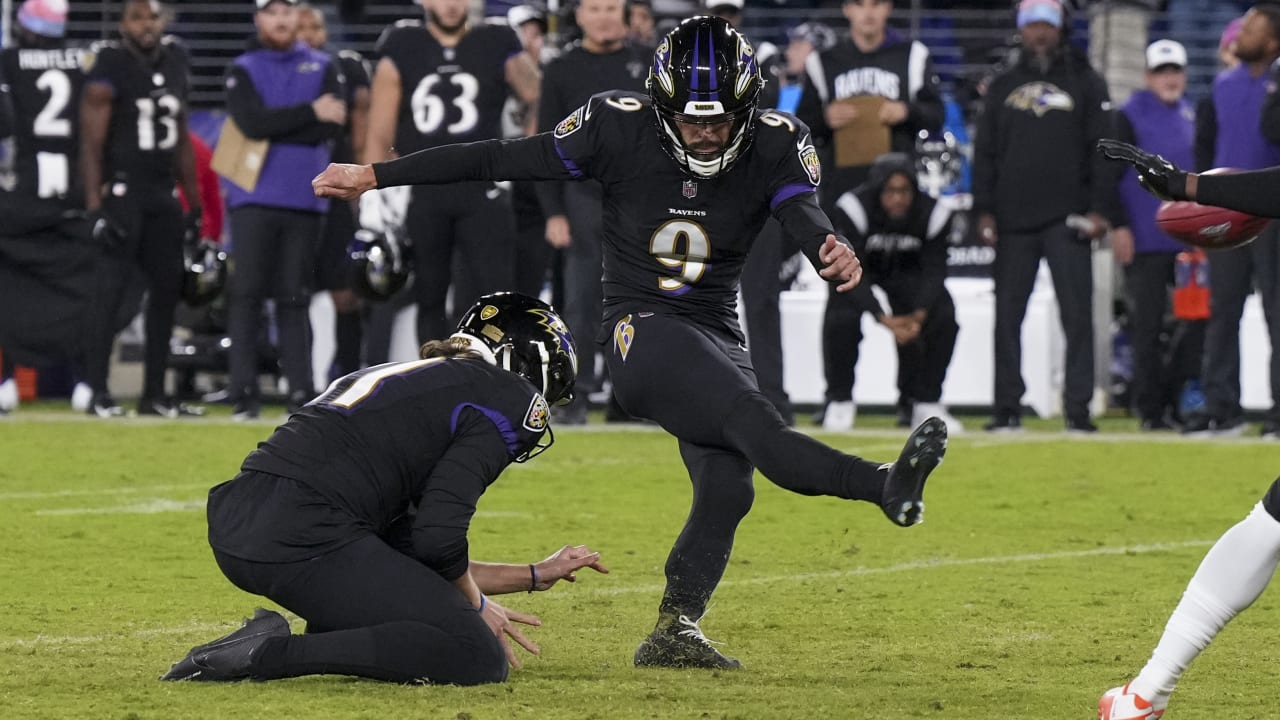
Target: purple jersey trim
x=787 y=192
x=500 y=421
x=574 y=171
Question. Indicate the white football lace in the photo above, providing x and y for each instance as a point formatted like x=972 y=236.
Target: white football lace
x=693 y=631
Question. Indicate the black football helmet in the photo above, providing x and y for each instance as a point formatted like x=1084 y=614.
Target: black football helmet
x=380 y=264
x=704 y=73
x=527 y=337
x=204 y=273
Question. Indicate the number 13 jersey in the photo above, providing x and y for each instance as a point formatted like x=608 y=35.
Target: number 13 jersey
x=150 y=97
x=448 y=94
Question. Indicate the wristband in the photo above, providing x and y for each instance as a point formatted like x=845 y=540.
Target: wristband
x=482 y=603
x=533 y=577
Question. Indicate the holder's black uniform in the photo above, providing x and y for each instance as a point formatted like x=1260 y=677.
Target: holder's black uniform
x=673 y=252
x=144 y=135
x=450 y=95
x=354 y=516
x=46 y=258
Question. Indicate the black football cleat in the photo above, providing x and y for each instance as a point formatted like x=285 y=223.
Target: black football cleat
x=681 y=644
x=228 y=658
x=903 y=499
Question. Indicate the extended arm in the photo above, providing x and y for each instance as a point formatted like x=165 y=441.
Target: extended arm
x=1255 y=192
x=501 y=578
x=531 y=158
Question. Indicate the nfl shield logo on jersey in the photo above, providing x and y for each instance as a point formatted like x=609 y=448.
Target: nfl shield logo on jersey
x=689 y=189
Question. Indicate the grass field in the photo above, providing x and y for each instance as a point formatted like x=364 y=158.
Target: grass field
x=1043 y=576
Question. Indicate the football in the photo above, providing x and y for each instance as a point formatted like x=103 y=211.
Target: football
x=1208 y=227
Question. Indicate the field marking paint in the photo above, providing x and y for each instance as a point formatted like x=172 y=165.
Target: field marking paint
x=45 y=495
x=933 y=564
x=56 y=641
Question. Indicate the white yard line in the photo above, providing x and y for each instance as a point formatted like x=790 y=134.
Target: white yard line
x=56 y=641
x=163 y=505
x=35 y=495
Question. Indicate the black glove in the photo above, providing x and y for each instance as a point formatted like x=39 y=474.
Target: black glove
x=107 y=231
x=191 y=222
x=1159 y=176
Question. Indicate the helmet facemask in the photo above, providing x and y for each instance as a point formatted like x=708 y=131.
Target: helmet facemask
x=705 y=73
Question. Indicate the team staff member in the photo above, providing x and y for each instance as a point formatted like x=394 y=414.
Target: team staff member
x=900 y=235
x=134 y=147
x=872 y=60
x=46 y=258
x=333 y=267
x=672 y=264
x=440 y=82
x=355 y=513
x=283 y=91
x=602 y=60
x=1045 y=110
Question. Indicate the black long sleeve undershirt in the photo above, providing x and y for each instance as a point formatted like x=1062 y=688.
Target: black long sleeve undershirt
x=1256 y=192
x=529 y=158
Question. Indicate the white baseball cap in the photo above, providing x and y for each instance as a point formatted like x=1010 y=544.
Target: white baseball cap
x=1166 y=52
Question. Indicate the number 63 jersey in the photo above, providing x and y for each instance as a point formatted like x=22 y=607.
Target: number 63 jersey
x=448 y=94
x=675 y=243
x=149 y=99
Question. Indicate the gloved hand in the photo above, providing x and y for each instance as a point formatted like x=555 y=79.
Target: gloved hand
x=107 y=231
x=1159 y=176
x=191 y=222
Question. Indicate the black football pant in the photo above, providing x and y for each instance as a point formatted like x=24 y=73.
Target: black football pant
x=533 y=253
x=1071 y=265
x=1232 y=277
x=472 y=221
x=273 y=253
x=761 y=287
x=699 y=386
x=151 y=219
x=372 y=612
x=922 y=364
x=583 y=290
x=1147 y=281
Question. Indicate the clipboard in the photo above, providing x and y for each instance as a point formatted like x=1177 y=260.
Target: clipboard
x=866 y=138
x=237 y=158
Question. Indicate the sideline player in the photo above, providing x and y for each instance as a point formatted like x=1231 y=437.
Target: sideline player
x=355 y=513
x=686 y=193
x=134 y=145
x=439 y=82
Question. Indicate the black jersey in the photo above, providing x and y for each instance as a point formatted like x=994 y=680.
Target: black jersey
x=41 y=89
x=672 y=243
x=356 y=74
x=386 y=440
x=448 y=95
x=150 y=98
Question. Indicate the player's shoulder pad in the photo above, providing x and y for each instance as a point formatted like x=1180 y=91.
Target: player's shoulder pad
x=100 y=53
x=611 y=106
x=778 y=134
x=395 y=31
x=350 y=55
x=406 y=23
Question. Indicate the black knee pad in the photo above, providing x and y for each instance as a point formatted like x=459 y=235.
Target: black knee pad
x=1271 y=501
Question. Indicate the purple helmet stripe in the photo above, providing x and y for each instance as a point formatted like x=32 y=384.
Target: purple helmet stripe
x=711 y=56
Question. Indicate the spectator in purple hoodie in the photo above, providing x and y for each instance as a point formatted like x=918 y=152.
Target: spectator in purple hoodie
x=1160 y=120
